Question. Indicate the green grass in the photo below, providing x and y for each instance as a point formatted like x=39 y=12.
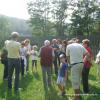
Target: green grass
x=32 y=87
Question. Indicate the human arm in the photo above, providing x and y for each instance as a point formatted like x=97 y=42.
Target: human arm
x=68 y=55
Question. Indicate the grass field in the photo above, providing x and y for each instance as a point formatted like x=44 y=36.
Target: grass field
x=32 y=87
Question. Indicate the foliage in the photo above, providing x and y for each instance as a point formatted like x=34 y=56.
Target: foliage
x=84 y=15
x=60 y=14
x=83 y=18
x=39 y=11
x=9 y=24
x=4 y=29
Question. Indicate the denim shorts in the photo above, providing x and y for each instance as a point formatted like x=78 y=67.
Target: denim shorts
x=60 y=81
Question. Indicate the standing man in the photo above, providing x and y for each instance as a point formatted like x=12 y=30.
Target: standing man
x=46 y=60
x=13 y=48
x=75 y=52
x=56 y=52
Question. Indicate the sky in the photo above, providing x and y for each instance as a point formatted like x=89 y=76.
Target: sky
x=14 y=8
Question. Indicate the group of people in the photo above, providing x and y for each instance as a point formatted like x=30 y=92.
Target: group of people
x=15 y=56
x=58 y=57
x=74 y=54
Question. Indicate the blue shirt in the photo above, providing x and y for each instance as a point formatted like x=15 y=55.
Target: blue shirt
x=62 y=69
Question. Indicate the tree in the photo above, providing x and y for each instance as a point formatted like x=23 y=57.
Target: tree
x=4 y=29
x=4 y=25
x=39 y=11
x=59 y=13
x=83 y=17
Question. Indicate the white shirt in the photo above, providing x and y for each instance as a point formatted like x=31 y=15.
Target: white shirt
x=13 y=49
x=76 y=52
x=34 y=55
x=98 y=58
x=23 y=51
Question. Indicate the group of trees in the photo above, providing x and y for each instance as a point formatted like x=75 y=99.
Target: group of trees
x=60 y=17
x=10 y=24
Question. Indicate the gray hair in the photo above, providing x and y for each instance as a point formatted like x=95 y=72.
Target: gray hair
x=14 y=35
x=46 y=42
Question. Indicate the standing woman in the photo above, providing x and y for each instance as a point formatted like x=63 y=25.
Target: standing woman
x=87 y=66
x=28 y=48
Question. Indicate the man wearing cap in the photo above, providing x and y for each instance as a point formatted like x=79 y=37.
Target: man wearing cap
x=46 y=60
x=13 y=48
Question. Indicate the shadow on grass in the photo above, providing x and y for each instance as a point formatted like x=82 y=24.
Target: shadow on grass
x=10 y=96
x=36 y=75
x=52 y=94
x=25 y=81
x=3 y=89
x=92 y=77
x=6 y=94
x=95 y=91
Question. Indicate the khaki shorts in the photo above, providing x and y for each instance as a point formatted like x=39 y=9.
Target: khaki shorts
x=76 y=75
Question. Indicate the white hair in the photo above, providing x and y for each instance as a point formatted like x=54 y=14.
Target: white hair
x=14 y=34
x=46 y=42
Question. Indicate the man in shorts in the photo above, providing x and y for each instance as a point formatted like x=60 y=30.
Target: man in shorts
x=74 y=53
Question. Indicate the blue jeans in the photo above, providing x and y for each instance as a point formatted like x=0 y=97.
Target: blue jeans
x=27 y=66
x=13 y=63
x=22 y=67
x=47 y=74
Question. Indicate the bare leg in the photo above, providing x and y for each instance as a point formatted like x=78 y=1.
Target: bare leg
x=76 y=91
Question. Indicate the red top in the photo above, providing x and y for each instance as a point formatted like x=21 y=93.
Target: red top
x=46 y=57
x=87 y=63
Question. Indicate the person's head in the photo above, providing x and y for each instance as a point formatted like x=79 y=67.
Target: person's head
x=54 y=41
x=14 y=35
x=34 y=47
x=62 y=58
x=77 y=40
x=70 y=42
x=64 y=42
x=47 y=43
x=86 y=42
x=22 y=44
x=27 y=41
x=59 y=41
x=74 y=39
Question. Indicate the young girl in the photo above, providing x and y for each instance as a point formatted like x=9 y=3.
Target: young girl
x=62 y=75
x=23 y=53
x=98 y=63
x=34 y=54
